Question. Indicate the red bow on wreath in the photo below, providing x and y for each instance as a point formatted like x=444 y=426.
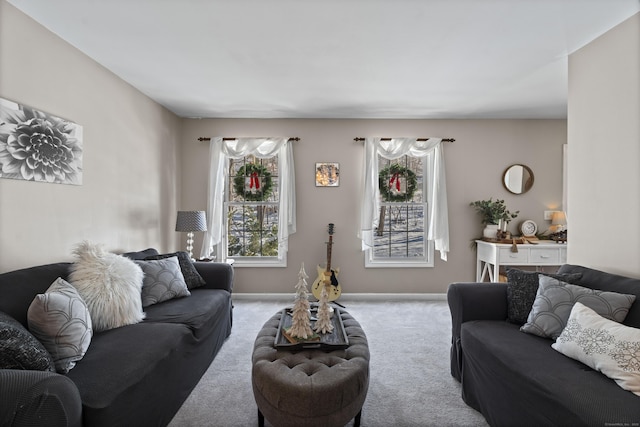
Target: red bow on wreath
x=254 y=180
x=395 y=177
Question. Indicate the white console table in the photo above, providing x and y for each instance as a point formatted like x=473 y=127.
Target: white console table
x=493 y=255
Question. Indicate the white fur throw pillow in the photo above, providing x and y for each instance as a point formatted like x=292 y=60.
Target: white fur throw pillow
x=109 y=284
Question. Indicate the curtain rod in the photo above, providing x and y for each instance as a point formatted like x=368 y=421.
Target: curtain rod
x=358 y=139
x=202 y=138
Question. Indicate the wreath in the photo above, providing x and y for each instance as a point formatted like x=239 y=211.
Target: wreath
x=392 y=187
x=253 y=182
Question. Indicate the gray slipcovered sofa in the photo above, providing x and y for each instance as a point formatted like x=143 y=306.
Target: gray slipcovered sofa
x=134 y=375
x=517 y=379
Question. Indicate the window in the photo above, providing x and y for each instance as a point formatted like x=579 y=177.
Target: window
x=404 y=217
x=400 y=239
x=251 y=211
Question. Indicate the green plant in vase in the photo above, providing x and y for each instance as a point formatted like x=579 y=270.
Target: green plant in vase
x=493 y=213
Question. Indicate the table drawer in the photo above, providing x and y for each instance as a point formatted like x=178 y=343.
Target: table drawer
x=508 y=257
x=545 y=256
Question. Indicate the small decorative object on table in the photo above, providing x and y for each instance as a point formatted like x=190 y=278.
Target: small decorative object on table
x=301 y=323
x=493 y=213
x=323 y=324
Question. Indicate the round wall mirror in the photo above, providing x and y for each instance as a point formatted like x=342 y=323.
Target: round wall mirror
x=518 y=179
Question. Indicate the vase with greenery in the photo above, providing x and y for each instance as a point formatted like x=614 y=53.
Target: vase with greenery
x=493 y=212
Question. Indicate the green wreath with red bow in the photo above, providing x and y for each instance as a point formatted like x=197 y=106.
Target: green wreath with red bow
x=392 y=187
x=253 y=182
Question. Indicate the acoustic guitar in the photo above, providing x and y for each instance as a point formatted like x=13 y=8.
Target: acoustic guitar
x=327 y=276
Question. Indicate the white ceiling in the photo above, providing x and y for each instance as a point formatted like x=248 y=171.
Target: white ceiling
x=338 y=58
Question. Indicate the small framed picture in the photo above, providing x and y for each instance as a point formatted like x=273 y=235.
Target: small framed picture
x=327 y=174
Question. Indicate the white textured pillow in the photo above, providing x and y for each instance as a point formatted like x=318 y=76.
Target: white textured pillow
x=604 y=345
x=109 y=284
x=60 y=320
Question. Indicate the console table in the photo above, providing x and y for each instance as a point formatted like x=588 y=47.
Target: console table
x=490 y=256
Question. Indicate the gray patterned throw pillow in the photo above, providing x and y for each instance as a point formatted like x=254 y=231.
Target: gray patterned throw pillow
x=522 y=288
x=191 y=275
x=555 y=299
x=163 y=280
x=60 y=319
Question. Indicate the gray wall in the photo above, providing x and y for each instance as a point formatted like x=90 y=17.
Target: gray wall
x=128 y=199
x=604 y=151
x=474 y=166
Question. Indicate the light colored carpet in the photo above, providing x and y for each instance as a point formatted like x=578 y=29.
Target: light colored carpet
x=410 y=380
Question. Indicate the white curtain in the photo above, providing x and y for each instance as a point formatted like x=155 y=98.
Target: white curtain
x=438 y=228
x=220 y=152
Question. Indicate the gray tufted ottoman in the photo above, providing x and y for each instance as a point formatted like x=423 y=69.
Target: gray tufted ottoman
x=310 y=387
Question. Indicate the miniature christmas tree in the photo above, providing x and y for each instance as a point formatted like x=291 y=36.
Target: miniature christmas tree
x=301 y=322
x=323 y=324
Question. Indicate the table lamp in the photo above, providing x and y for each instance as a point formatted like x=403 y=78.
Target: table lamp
x=190 y=221
x=559 y=220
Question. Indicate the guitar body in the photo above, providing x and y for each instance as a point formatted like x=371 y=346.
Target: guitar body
x=327 y=276
x=333 y=290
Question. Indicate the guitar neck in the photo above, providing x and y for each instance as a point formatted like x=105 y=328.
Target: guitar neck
x=329 y=244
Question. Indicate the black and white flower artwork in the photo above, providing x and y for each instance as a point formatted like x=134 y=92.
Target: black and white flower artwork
x=36 y=146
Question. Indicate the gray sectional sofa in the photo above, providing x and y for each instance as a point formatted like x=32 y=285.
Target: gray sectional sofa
x=134 y=375
x=518 y=379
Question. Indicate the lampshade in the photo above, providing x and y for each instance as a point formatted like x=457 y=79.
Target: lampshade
x=191 y=221
x=559 y=218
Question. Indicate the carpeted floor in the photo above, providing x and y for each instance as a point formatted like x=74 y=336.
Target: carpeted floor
x=410 y=384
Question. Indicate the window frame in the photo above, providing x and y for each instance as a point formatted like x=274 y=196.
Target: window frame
x=223 y=247
x=423 y=262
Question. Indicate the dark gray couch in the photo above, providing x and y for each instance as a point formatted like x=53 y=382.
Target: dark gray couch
x=518 y=379
x=136 y=375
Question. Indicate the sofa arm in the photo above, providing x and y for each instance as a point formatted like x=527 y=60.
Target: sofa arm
x=218 y=275
x=38 y=398
x=473 y=301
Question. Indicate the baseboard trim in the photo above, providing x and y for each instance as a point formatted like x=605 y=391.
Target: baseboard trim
x=344 y=297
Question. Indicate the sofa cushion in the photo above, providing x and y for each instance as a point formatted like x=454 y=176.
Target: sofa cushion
x=604 y=345
x=202 y=312
x=191 y=275
x=518 y=379
x=21 y=350
x=163 y=280
x=555 y=299
x=596 y=279
x=109 y=284
x=18 y=288
x=60 y=319
x=140 y=254
x=522 y=287
x=118 y=359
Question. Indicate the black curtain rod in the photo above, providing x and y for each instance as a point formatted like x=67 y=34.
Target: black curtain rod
x=202 y=138
x=419 y=139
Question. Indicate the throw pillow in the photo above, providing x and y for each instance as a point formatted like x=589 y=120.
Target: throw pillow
x=109 y=284
x=555 y=299
x=21 y=350
x=522 y=288
x=163 y=281
x=604 y=345
x=191 y=275
x=60 y=319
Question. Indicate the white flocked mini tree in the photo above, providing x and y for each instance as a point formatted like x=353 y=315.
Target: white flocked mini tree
x=301 y=322
x=323 y=324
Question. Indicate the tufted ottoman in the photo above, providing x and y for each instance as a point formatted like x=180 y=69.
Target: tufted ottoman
x=310 y=387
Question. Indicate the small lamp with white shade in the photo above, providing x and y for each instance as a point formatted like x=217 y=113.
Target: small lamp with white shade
x=190 y=222
x=559 y=221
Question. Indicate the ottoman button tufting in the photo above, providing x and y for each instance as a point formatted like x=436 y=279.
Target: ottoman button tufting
x=310 y=387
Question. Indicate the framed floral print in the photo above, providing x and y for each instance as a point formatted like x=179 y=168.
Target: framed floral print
x=37 y=146
x=327 y=174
